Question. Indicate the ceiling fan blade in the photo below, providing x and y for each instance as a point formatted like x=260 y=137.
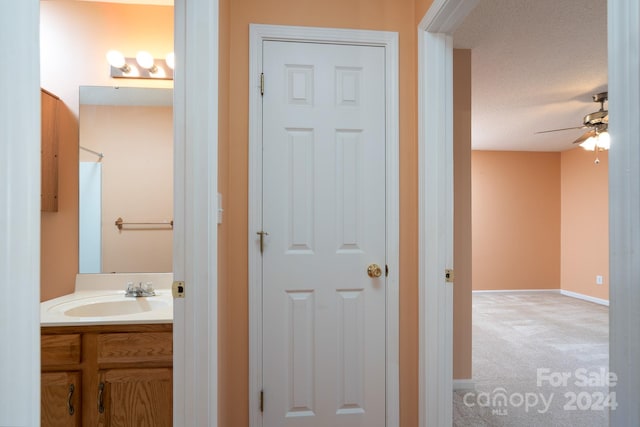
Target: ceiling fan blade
x=558 y=130
x=585 y=136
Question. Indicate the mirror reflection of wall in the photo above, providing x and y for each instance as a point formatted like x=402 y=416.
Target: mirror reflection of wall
x=132 y=128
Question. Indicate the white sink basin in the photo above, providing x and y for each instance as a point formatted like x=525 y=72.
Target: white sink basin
x=107 y=307
x=98 y=299
x=116 y=308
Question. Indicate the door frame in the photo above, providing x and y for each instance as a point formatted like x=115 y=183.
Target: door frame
x=435 y=49
x=389 y=41
x=195 y=231
x=623 y=46
x=435 y=147
x=20 y=216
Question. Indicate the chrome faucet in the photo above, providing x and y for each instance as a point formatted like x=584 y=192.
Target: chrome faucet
x=142 y=290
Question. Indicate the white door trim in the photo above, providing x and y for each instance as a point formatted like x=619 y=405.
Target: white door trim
x=624 y=204
x=388 y=40
x=195 y=323
x=20 y=216
x=435 y=142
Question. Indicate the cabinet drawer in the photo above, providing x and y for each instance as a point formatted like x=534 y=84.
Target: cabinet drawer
x=60 y=349
x=150 y=347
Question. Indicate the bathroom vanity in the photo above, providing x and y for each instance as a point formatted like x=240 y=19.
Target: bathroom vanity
x=107 y=359
x=107 y=375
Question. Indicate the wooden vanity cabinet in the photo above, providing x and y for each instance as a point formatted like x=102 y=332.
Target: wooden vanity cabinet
x=104 y=375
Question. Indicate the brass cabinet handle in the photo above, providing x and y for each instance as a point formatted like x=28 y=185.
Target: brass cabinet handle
x=100 y=398
x=374 y=271
x=70 y=407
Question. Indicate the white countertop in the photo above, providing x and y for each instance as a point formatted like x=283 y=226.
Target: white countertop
x=99 y=300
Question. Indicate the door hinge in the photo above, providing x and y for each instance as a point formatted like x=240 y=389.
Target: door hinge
x=449 y=276
x=261 y=400
x=386 y=270
x=177 y=289
x=262 y=234
x=261 y=83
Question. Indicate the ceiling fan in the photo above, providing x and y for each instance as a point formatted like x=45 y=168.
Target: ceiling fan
x=597 y=137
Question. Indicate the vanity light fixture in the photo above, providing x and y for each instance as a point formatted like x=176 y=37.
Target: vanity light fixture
x=170 y=59
x=117 y=60
x=145 y=60
x=143 y=66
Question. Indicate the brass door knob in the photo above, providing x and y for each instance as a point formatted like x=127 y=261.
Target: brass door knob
x=374 y=271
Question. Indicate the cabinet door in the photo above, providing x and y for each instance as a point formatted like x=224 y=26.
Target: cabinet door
x=49 y=139
x=60 y=399
x=136 y=397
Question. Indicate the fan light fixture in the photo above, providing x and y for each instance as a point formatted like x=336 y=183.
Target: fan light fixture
x=597 y=137
x=600 y=141
x=143 y=66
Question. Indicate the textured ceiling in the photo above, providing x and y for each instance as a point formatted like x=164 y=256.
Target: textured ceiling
x=535 y=66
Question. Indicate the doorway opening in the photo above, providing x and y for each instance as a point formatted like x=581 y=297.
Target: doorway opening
x=540 y=204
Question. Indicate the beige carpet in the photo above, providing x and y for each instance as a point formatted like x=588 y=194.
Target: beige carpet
x=539 y=359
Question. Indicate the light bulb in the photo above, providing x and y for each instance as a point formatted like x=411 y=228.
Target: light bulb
x=589 y=144
x=116 y=60
x=604 y=141
x=171 y=60
x=145 y=60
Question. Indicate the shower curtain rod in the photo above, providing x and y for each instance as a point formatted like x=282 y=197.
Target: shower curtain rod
x=91 y=151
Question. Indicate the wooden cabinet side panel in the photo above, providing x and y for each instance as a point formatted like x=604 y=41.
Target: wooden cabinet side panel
x=49 y=150
x=57 y=399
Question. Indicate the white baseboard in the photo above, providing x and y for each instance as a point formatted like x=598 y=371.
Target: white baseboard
x=466 y=384
x=555 y=291
x=511 y=291
x=585 y=297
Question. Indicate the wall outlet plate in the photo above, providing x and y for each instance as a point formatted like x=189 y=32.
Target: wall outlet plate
x=599 y=280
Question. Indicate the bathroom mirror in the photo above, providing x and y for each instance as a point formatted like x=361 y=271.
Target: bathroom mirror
x=125 y=180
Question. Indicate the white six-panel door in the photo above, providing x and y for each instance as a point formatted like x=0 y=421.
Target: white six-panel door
x=323 y=204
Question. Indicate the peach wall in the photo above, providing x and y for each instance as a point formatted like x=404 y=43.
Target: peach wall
x=462 y=213
x=137 y=183
x=585 y=222
x=516 y=220
x=74 y=37
x=225 y=333
x=390 y=15
x=421 y=8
